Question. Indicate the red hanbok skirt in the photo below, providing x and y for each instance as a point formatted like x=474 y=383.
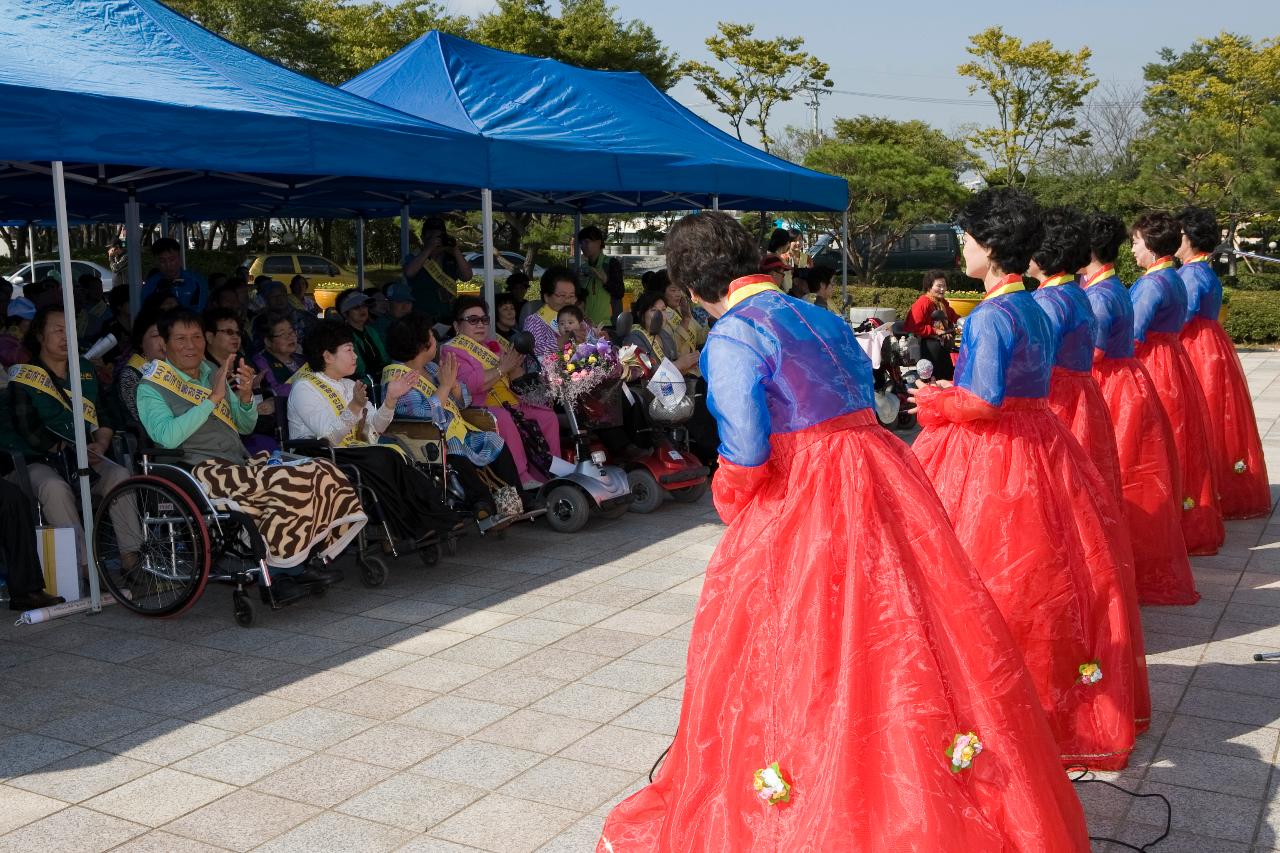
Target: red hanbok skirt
x=1152 y=482
x=1074 y=397
x=1179 y=388
x=1244 y=490
x=1041 y=529
x=850 y=646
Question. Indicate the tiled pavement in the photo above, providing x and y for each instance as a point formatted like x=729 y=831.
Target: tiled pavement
x=507 y=699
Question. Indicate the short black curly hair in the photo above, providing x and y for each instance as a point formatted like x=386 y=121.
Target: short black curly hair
x=1200 y=224
x=1005 y=221
x=707 y=250
x=1065 y=245
x=1159 y=230
x=1106 y=235
x=325 y=336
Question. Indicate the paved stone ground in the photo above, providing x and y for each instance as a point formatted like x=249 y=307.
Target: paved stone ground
x=506 y=700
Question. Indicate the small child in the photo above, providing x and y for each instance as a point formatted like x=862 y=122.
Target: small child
x=573 y=327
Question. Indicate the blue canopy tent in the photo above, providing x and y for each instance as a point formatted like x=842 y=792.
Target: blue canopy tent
x=578 y=140
x=127 y=100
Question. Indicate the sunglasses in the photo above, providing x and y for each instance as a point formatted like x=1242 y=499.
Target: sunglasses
x=476 y=319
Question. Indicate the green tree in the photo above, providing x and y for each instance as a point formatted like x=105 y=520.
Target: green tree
x=282 y=30
x=1037 y=91
x=1212 y=133
x=758 y=75
x=587 y=33
x=362 y=35
x=900 y=173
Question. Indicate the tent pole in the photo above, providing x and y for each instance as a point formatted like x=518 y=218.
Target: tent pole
x=31 y=252
x=486 y=216
x=133 y=245
x=844 y=257
x=164 y=225
x=182 y=242
x=73 y=372
x=404 y=231
x=715 y=201
x=577 y=249
x=360 y=253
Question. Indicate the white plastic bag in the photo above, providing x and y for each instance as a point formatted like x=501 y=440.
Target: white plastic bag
x=667 y=384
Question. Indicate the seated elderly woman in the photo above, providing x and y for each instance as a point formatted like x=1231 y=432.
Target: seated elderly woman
x=648 y=318
x=487 y=365
x=43 y=430
x=300 y=507
x=147 y=346
x=281 y=357
x=478 y=456
x=325 y=404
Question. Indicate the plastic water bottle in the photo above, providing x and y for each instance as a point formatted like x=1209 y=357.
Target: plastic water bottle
x=276 y=458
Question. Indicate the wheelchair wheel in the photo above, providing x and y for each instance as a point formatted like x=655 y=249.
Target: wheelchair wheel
x=170 y=568
x=373 y=572
x=568 y=508
x=646 y=494
x=692 y=494
x=243 y=608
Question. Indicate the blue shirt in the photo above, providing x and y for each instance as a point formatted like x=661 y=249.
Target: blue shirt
x=1007 y=349
x=192 y=291
x=1071 y=323
x=1113 y=312
x=1204 y=290
x=1159 y=303
x=774 y=365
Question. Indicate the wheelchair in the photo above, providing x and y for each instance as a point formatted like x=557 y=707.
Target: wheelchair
x=373 y=569
x=189 y=539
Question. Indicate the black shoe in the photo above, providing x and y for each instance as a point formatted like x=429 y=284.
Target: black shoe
x=34 y=600
x=318 y=574
x=283 y=589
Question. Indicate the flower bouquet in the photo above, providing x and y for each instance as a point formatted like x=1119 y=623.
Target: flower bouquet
x=579 y=369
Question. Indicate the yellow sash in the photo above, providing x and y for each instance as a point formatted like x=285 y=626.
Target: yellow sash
x=351 y=439
x=500 y=394
x=458 y=426
x=137 y=362
x=655 y=344
x=38 y=380
x=549 y=317
x=441 y=277
x=163 y=374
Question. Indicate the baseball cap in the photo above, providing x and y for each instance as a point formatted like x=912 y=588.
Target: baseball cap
x=773 y=263
x=354 y=299
x=399 y=292
x=22 y=308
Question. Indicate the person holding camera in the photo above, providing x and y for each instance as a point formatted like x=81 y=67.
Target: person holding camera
x=433 y=274
x=601 y=276
x=188 y=287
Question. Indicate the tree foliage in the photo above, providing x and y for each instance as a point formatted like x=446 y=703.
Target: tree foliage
x=587 y=33
x=900 y=173
x=1037 y=91
x=758 y=75
x=1212 y=136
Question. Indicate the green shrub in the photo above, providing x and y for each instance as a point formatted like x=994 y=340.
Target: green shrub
x=899 y=299
x=1253 y=317
x=1245 y=280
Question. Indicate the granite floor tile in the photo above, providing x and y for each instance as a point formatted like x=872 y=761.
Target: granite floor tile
x=480 y=764
x=159 y=797
x=19 y=808
x=81 y=776
x=528 y=729
x=392 y=745
x=411 y=801
x=72 y=830
x=242 y=820
x=330 y=831
x=322 y=780
x=505 y=825
x=568 y=784
x=242 y=760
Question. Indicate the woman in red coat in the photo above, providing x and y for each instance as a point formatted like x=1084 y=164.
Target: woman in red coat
x=1243 y=485
x=934 y=320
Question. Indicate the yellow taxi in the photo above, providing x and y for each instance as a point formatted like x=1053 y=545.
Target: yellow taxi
x=326 y=278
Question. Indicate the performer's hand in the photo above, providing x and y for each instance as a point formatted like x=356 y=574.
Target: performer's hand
x=943 y=383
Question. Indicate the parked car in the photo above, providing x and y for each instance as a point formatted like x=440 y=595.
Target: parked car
x=924 y=247
x=21 y=277
x=326 y=278
x=500 y=272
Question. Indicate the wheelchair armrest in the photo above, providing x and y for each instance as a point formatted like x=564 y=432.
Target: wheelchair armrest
x=414 y=428
x=482 y=418
x=310 y=447
x=170 y=456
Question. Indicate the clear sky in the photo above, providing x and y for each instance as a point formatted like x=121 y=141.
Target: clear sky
x=911 y=49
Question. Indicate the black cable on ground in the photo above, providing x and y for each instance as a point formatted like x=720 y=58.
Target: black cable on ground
x=1083 y=779
x=654 y=768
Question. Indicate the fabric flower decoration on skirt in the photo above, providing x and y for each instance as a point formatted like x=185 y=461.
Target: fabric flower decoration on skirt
x=963 y=749
x=770 y=786
x=1090 y=673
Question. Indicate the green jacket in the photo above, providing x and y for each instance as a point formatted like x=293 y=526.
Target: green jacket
x=175 y=422
x=40 y=421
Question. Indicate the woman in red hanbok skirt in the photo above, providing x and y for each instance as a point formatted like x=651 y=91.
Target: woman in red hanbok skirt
x=1034 y=515
x=1149 y=471
x=1244 y=491
x=851 y=686
x=1159 y=313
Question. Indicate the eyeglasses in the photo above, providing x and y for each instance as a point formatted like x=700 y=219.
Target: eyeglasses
x=287 y=333
x=476 y=319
